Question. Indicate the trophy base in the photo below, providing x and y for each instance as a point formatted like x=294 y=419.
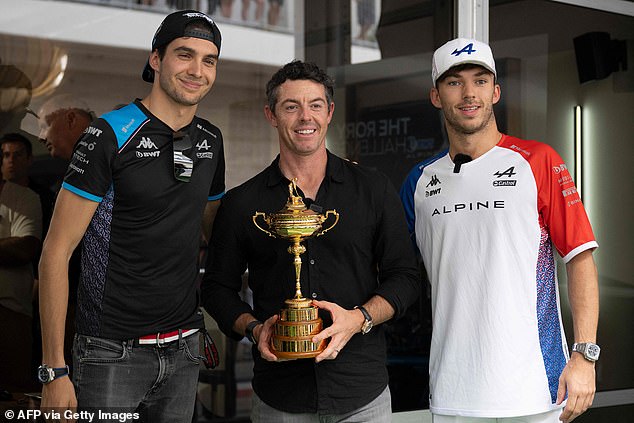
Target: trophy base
x=292 y=348
x=293 y=332
x=297 y=356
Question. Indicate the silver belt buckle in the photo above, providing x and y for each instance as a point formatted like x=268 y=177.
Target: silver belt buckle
x=159 y=342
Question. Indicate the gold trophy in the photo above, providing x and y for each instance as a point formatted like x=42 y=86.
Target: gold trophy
x=299 y=321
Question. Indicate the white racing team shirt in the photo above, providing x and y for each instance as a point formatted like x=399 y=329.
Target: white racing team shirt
x=485 y=235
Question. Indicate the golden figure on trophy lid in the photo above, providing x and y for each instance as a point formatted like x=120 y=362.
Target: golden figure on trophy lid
x=299 y=321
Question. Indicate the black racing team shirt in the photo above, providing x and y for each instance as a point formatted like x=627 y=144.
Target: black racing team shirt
x=368 y=252
x=140 y=251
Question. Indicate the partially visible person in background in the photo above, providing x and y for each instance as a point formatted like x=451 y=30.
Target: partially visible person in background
x=17 y=159
x=20 y=241
x=226 y=8
x=366 y=17
x=273 y=16
x=63 y=119
x=259 y=9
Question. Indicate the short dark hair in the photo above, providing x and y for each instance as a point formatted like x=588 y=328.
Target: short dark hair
x=460 y=68
x=296 y=70
x=15 y=137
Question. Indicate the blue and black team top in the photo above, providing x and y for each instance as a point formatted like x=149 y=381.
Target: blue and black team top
x=140 y=251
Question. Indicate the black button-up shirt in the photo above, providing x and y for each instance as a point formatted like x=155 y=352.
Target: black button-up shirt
x=367 y=253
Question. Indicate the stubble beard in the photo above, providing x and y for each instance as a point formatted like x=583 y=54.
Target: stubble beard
x=172 y=92
x=466 y=129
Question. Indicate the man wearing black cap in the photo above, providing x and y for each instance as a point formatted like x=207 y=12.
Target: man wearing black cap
x=141 y=180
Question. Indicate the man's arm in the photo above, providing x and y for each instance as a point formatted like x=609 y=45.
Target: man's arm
x=262 y=333
x=18 y=250
x=71 y=217
x=578 y=377
x=398 y=275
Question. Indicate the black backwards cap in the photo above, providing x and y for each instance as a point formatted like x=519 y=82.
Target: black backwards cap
x=173 y=27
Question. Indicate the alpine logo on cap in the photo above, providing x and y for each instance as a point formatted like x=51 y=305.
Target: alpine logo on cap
x=466 y=49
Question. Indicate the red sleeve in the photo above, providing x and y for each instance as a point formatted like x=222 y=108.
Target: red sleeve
x=559 y=205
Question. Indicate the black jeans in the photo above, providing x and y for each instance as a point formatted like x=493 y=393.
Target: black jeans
x=116 y=380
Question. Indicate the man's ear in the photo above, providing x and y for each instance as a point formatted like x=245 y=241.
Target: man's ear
x=270 y=116
x=70 y=117
x=497 y=93
x=434 y=96
x=331 y=111
x=155 y=60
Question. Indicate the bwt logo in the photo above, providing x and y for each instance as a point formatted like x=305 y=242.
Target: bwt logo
x=93 y=131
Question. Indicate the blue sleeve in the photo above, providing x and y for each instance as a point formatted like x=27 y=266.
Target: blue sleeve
x=408 y=189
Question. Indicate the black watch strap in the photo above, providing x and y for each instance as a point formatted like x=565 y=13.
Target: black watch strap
x=46 y=374
x=248 y=332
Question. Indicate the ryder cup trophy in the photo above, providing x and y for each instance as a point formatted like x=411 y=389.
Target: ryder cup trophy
x=299 y=321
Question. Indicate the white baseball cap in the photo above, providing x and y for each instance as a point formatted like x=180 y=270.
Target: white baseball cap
x=460 y=51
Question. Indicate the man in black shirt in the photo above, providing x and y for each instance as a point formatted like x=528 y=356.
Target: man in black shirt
x=362 y=271
x=143 y=185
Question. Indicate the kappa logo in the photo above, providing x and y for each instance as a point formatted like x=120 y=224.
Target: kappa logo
x=432 y=183
x=147 y=143
x=466 y=49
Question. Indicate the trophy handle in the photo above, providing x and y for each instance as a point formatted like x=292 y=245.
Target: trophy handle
x=329 y=212
x=255 y=217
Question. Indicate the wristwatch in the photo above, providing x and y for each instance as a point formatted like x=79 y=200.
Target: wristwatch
x=248 y=332
x=589 y=350
x=47 y=374
x=367 y=324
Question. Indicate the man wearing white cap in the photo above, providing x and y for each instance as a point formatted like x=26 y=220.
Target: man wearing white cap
x=142 y=186
x=484 y=215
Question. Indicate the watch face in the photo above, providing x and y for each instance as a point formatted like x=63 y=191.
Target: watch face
x=43 y=375
x=593 y=351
